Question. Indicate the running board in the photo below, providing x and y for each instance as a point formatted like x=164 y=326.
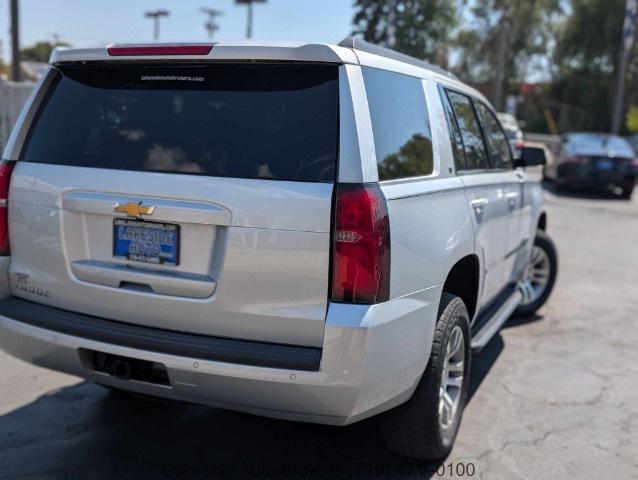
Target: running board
x=491 y=328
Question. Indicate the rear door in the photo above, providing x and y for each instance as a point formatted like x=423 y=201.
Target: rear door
x=186 y=197
x=498 y=148
x=485 y=193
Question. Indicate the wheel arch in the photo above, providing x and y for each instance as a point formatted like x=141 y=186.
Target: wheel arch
x=463 y=281
x=542 y=222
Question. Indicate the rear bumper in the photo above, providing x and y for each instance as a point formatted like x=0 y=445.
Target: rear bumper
x=578 y=177
x=371 y=359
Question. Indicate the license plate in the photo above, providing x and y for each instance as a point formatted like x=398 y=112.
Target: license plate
x=604 y=164
x=149 y=242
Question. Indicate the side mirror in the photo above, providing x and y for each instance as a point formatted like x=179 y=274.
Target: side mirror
x=531 y=157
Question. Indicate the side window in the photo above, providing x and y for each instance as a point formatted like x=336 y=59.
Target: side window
x=400 y=124
x=498 y=146
x=475 y=153
x=455 y=134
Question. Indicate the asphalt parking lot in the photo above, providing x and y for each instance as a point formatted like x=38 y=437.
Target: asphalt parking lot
x=555 y=396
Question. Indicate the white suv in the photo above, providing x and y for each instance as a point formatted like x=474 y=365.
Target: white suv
x=308 y=232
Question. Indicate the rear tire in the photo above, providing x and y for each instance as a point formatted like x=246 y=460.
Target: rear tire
x=545 y=250
x=421 y=428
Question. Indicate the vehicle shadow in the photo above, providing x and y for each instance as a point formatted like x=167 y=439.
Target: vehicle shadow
x=517 y=322
x=85 y=431
x=483 y=362
x=578 y=193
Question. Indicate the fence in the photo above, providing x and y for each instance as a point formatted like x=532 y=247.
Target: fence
x=12 y=98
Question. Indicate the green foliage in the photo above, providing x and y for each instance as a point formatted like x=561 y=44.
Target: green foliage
x=526 y=28
x=586 y=56
x=420 y=28
x=414 y=158
x=40 y=52
x=590 y=37
x=569 y=48
x=632 y=119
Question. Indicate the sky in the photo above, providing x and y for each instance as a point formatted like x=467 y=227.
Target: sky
x=85 y=23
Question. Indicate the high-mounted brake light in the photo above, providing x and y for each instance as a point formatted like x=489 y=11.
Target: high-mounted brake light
x=5 y=179
x=360 y=245
x=144 y=50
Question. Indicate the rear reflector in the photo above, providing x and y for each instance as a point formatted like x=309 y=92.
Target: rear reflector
x=5 y=179
x=361 y=245
x=138 y=50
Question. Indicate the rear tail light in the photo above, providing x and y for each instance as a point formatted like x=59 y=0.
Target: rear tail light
x=5 y=179
x=360 y=245
x=144 y=50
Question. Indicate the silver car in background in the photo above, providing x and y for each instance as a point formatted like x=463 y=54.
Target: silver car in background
x=513 y=132
x=303 y=231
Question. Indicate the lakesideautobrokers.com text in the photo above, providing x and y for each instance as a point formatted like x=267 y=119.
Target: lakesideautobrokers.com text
x=288 y=470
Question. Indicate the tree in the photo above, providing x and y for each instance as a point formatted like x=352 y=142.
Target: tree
x=632 y=119
x=503 y=41
x=586 y=57
x=40 y=52
x=420 y=28
x=413 y=158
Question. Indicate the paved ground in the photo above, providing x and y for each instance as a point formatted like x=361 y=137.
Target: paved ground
x=553 y=397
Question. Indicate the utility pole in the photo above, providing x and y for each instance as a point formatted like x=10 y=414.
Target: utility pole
x=628 y=35
x=15 y=42
x=249 y=19
x=501 y=64
x=392 y=24
x=210 y=25
x=156 y=15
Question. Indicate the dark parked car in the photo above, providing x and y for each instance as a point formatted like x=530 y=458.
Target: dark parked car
x=594 y=161
x=633 y=141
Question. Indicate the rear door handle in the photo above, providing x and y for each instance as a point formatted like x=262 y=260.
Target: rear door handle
x=478 y=204
x=511 y=199
x=116 y=275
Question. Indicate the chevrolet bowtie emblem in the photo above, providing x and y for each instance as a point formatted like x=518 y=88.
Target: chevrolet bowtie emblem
x=134 y=209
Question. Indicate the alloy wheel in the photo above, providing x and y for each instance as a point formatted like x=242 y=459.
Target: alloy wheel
x=536 y=276
x=451 y=389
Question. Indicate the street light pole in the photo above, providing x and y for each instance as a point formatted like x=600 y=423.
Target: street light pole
x=15 y=42
x=210 y=25
x=249 y=19
x=156 y=15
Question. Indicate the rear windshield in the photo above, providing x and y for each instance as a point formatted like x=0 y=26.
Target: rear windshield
x=599 y=144
x=231 y=120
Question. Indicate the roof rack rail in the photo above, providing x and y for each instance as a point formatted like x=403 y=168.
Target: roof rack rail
x=363 y=46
